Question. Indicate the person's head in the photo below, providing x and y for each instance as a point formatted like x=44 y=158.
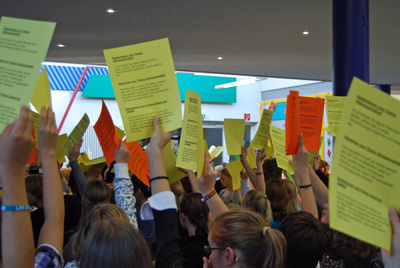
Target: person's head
x=98 y=213
x=177 y=189
x=243 y=236
x=258 y=202
x=114 y=243
x=187 y=188
x=226 y=178
x=34 y=190
x=291 y=191
x=95 y=192
x=324 y=167
x=278 y=198
x=271 y=170
x=194 y=212
x=358 y=248
x=306 y=240
x=65 y=173
x=140 y=190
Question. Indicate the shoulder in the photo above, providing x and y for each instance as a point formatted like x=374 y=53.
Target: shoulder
x=47 y=256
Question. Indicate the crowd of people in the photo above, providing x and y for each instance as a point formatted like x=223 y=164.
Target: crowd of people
x=107 y=217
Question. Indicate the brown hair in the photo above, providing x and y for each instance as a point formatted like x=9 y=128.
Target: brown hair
x=359 y=249
x=271 y=170
x=258 y=202
x=196 y=211
x=306 y=239
x=278 y=198
x=326 y=166
x=244 y=231
x=114 y=243
x=292 y=195
x=100 y=212
x=95 y=192
x=34 y=185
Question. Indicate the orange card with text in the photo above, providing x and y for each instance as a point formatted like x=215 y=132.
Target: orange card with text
x=304 y=117
x=32 y=158
x=106 y=133
x=292 y=124
x=138 y=162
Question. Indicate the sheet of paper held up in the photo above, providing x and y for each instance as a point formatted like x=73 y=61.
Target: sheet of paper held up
x=76 y=134
x=234 y=168
x=145 y=86
x=304 y=115
x=364 y=182
x=261 y=138
x=23 y=48
x=234 y=135
x=107 y=134
x=278 y=140
x=191 y=147
x=215 y=151
x=174 y=174
x=42 y=93
x=334 y=109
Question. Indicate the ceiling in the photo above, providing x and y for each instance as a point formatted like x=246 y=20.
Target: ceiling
x=258 y=38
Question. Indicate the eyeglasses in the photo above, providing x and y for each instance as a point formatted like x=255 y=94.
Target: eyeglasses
x=209 y=249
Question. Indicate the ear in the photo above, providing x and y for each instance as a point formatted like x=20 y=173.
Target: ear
x=182 y=216
x=139 y=192
x=229 y=256
x=322 y=169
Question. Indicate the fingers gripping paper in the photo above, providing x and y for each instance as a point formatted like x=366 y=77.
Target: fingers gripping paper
x=144 y=83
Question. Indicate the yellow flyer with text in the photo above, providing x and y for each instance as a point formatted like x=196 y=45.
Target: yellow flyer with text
x=364 y=182
x=144 y=82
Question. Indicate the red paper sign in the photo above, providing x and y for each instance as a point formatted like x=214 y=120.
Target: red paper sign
x=32 y=158
x=304 y=115
x=106 y=133
x=138 y=162
x=247 y=117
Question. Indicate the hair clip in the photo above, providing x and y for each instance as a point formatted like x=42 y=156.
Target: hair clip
x=265 y=231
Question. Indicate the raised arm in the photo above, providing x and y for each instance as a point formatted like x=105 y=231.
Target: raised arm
x=206 y=185
x=16 y=145
x=302 y=179
x=52 y=232
x=163 y=202
x=192 y=179
x=79 y=176
x=321 y=192
x=257 y=179
x=123 y=187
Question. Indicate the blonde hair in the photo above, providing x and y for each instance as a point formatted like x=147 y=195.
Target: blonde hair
x=246 y=231
x=98 y=213
x=292 y=195
x=258 y=202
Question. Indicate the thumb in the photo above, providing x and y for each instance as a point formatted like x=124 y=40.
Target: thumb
x=157 y=123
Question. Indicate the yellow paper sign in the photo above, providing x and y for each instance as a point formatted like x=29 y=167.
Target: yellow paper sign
x=278 y=140
x=120 y=133
x=364 y=181
x=334 y=109
x=76 y=135
x=23 y=47
x=311 y=157
x=234 y=168
x=261 y=138
x=145 y=86
x=41 y=95
x=234 y=135
x=36 y=124
x=60 y=155
x=270 y=152
x=215 y=151
x=173 y=173
x=191 y=148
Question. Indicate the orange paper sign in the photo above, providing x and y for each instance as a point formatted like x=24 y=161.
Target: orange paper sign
x=138 y=162
x=106 y=133
x=304 y=115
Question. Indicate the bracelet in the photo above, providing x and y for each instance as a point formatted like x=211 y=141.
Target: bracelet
x=15 y=208
x=305 y=186
x=158 y=178
x=205 y=198
x=259 y=173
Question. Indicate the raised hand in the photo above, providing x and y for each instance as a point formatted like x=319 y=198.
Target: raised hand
x=75 y=152
x=122 y=154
